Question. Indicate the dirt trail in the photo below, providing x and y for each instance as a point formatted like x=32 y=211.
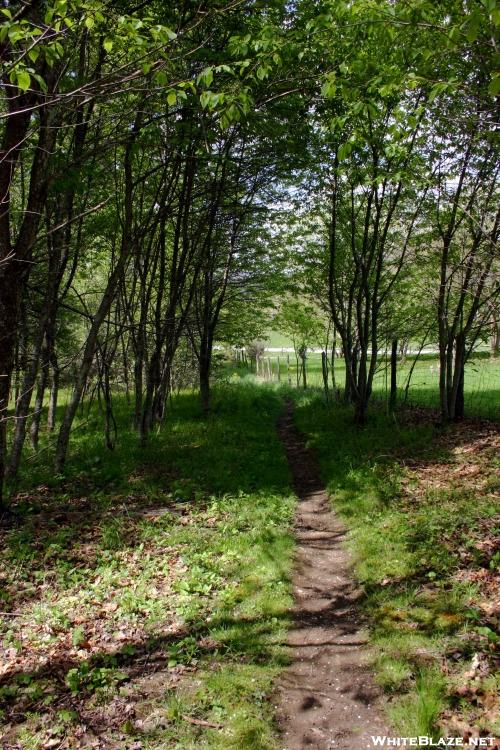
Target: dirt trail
x=327 y=698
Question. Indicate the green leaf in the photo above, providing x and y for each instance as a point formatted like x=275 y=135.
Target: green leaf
x=170 y=34
x=344 y=151
x=494 y=87
x=23 y=79
x=206 y=77
x=108 y=45
x=207 y=99
x=171 y=98
x=89 y=22
x=328 y=88
x=473 y=26
x=34 y=54
x=262 y=72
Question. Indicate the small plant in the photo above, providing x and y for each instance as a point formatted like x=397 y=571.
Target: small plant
x=78 y=636
x=112 y=534
x=86 y=678
x=182 y=652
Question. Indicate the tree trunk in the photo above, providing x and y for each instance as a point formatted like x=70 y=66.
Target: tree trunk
x=205 y=384
x=332 y=361
x=54 y=393
x=138 y=374
x=460 y=399
x=8 y=319
x=87 y=358
x=205 y=366
x=360 y=408
x=351 y=375
x=40 y=393
x=443 y=392
x=495 y=337
x=394 y=368
x=23 y=405
x=456 y=395
x=324 y=371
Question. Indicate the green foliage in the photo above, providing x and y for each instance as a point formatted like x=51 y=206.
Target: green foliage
x=302 y=323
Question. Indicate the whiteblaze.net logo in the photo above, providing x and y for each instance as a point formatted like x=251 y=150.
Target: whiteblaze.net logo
x=381 y=741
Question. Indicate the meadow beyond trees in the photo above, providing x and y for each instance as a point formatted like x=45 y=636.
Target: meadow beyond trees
x=212 y=214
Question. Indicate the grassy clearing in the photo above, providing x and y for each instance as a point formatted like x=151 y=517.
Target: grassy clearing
x=145 y=592
x=421 y=507
x=482 y=381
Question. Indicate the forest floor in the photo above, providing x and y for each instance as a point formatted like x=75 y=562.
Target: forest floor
x=146 y=594
x=328 y=698
x=145 y=597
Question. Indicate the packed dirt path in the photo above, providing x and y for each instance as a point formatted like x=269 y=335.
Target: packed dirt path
x=326 y=697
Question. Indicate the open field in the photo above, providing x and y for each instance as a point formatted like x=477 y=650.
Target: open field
x=482 y=380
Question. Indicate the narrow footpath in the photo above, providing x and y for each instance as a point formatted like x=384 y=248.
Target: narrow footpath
x=326 y=696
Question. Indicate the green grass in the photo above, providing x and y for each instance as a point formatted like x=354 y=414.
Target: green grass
x=276 y=339
x=482 y=381
x=180 y=615
x=408 y=541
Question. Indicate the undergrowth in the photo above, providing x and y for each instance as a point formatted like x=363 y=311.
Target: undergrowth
x=145 y=592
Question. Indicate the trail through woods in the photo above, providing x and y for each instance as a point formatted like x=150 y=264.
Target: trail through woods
x=327 y=698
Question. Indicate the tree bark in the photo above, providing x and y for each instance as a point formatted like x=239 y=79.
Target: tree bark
x=54 y=393
x=394 y=372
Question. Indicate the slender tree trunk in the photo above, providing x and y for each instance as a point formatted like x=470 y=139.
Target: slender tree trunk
x=205 y=383
x=495 y=337
x=23 y=405
x=360 y=409
x=324 y=371
x=40 y=393
x=86 y=363
x=456 y=397
x=332 y=360
x=54 y=393
x=205 y=366
x=138 y=375
x=110 y=422
x=394 y=369
x=125 y=366
x=351 y=374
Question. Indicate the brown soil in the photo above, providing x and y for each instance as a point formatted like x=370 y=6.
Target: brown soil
x=326 y=696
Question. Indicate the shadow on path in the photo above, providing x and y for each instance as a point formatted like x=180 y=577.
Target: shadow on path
x=326 y=696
